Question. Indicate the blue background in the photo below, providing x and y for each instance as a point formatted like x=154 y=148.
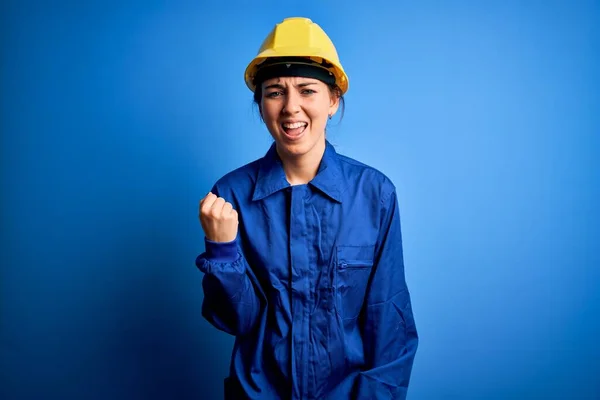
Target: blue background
x=116 y=118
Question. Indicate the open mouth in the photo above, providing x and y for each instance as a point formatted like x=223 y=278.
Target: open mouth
x=295 y=129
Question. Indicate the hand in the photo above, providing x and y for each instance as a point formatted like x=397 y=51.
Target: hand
x=218 y=218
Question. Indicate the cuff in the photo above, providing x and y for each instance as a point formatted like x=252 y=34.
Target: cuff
x=223 y=252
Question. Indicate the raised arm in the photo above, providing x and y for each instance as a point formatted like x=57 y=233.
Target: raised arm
x=233 y=297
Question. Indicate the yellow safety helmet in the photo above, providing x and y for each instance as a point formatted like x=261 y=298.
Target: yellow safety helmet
x=298 y=38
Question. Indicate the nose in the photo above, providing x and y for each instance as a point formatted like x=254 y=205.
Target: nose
x=291 y=103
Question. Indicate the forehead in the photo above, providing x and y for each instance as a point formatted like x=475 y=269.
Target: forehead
x=290 y=81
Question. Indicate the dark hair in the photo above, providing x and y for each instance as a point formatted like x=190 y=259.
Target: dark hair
x=333 y=89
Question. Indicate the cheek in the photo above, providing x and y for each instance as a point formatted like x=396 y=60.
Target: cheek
x=318 y=121
x=269 y=113
x=319 y=111
x=318 y=117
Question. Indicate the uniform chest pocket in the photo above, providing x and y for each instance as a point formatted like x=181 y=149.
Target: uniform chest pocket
x=353 y=270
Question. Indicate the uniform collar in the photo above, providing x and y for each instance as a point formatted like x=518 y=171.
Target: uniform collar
x=271 y=176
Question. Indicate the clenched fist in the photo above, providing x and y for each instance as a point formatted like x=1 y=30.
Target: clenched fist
x=218 y=218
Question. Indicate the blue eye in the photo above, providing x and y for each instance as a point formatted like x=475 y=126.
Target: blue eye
x=274 y=94
x=308 y=91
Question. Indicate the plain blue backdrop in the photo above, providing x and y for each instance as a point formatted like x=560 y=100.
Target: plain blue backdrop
x=117 y=118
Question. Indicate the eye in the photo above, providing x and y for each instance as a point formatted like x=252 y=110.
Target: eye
x=308 y=91
x=274 y=94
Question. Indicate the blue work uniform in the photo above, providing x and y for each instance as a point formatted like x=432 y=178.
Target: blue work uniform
x=313 y=287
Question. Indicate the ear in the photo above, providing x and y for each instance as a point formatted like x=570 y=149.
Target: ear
x=334 y=103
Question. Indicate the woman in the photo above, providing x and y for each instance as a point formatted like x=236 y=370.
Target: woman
x=303 y=260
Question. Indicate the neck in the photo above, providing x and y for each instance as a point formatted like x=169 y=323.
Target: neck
x=302 y=169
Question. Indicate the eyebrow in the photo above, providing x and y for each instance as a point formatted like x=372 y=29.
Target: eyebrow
x=280 y=86
x=274 y=86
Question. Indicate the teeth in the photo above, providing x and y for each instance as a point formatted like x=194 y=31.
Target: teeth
x=295 y=125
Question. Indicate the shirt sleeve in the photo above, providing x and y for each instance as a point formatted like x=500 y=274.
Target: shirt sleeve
x=389 y=334
x=233 y=297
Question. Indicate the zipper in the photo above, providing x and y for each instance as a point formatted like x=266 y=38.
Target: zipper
x=356 y=264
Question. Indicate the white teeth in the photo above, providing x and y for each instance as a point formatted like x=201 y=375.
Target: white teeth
x=295 y=125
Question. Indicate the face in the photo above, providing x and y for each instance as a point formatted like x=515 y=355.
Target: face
x=295 y=111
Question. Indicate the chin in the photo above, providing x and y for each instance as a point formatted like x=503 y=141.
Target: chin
x=298 y=148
